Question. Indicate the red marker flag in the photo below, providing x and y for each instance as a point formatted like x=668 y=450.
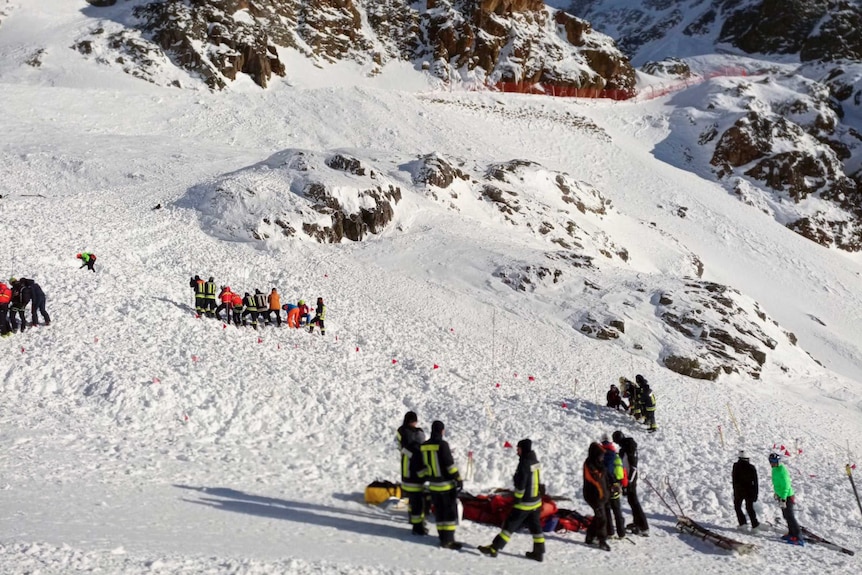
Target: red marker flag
x=435 y=366
x=507 y=445
x=394 y=361
x=531 y=378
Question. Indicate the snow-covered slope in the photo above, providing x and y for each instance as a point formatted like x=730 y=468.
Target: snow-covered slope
x=137 y=438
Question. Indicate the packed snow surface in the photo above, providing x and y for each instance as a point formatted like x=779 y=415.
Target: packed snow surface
x=137 y=438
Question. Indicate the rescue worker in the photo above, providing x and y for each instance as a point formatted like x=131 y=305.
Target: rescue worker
x=292 y=315
x=319 y=317
x=5 y=298
x=88 y=259
x=304 y=315
x=38 y=304
x=197 y=284
x=261 y=304
x=631 y=392
x=274 y=308
x=786 y=499
x=528 y=505
x=629 y=456
x=236 y=307
x=596 y=495
x=615 y=399
x=225 y=296
x=616 y=481
x=745 y=489
x=410 y=438
x=250 y=309
x=444 y=482
x=21 y=295
x=647 y=401
x=210 y=297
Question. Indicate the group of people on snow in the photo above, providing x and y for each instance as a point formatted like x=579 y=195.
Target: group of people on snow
x=608 y=475
x=14 y=299
x=251 y=308
x=641 y=398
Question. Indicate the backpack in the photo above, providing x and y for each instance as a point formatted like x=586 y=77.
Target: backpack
x=378 y=491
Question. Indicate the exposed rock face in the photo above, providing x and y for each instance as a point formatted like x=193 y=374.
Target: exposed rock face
x=327 y=197
x=726 y=336
x=772 y=26
x=489 y=41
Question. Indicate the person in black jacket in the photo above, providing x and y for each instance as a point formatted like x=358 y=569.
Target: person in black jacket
x=410 y=438
x=528 y=505
x=444 y=482
x=629 y=455
x=596 y=494
x=21 y=296
x=745 y=488
x=38 y=304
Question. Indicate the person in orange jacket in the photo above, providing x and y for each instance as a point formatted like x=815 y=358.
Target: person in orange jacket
x=236 y=307
x=274 y=307
x=5 y=298
x=226 y=298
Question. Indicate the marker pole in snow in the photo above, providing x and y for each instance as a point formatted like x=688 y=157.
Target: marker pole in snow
x=469 y=473
x=853 y=484
x=733 y=419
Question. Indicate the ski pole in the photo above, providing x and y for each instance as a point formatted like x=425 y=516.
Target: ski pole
x=853 y=484
x=650 y=485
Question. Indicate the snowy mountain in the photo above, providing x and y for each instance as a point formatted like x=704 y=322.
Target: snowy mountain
x=494 y=261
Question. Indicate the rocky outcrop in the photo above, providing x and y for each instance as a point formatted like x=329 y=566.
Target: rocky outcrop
x=727 y=338
x=486 y=42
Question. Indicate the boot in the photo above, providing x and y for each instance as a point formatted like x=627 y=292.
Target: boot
x=454 y=545
x=488 y=550
x=603 y=545
x=535 y=556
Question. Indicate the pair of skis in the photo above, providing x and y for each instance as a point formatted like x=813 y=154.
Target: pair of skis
x=811 y=537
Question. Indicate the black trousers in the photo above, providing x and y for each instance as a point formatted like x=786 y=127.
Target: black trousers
x=518 y=518
x=416 y=510
x=223 y=306
x=4 y=321
x=19 y=311
x=614 y=515
x=268 y=316
x=253 y=315
x=790 y=517
x=39 y=305
x=638 y=516
x=200 y=304
x=597 y=528
x=749 y=507
x=446 y=514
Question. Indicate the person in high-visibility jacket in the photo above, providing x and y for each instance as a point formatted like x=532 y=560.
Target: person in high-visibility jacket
x=786 y=499
x=248 y=301
x=444 y=482
x=274 y=307
x=210 y=297
x=647 y=401
x=319 y=317
x=88 y=259
x=410 y=438
x=616 y=482
x=236 y=307
x=528 y=505
x=225 y=296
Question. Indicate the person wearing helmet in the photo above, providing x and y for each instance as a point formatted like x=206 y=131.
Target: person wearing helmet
x=197 y=284
x=88 y=259
x=527 y=509
x=616 y=481
x=320 y=316
x=444 y=482
x=210 y=297
x=250 y=304
x=304 y=315
x=410 y=438
x=745 y=489
x=783 y=489
x=647 y=403
x=629 y=457
x=631 y=391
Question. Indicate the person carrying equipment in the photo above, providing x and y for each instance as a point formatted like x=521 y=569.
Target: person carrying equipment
x=786 y=499
x=88 y=259
x=410 y=438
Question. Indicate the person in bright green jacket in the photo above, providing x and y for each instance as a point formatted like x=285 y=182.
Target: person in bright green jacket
x=88 y=259
x=784 y=494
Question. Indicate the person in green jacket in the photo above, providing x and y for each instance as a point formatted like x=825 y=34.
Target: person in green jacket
x=786 y=499
x=88 y=259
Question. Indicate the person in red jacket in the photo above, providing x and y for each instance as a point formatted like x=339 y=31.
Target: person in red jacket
x=236 y=306
x=5 y=298
x=226 y=298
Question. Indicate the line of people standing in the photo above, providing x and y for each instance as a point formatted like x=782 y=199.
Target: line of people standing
x=254 y=308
